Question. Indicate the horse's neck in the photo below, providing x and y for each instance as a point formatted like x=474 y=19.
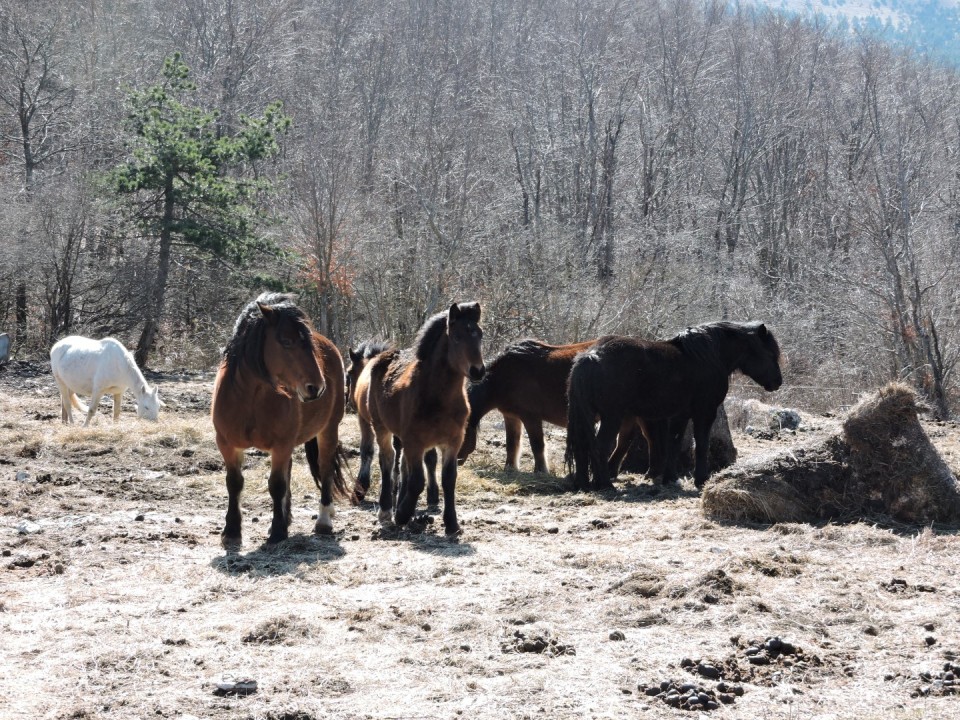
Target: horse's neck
x=441 y=377
x=135 y=378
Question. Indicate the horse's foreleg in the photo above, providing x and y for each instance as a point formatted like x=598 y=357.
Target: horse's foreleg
x=701 y=439
x=233 y=459
x=412 y=485
x=279 y=485
x=117 y=398
x=366 y=461
x=387 y=456
x=513 y=426
x=449 y=479
x=433 y=490
x=538 y=445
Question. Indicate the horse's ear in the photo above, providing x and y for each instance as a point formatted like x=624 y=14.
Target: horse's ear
x=471 y=310
x=762 y=331
x=268 y=313
x=454 y=313
x=355 y=355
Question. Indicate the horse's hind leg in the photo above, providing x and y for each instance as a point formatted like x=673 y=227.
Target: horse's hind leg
x=387 y=457
x=701 y=439
x=366 y=461
x=325 y=446
x=512 y=425
x=538 y=446
x=117 y=398
x=412 y=485
x=628 y=435
x=279 y=485
x=66 y=403
x=233 y=459
x=433 y=491
x=449 y=479
x=603 y=449
x=94 y=404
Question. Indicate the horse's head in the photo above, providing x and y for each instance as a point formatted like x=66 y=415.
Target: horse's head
x=465 y=335
x=290 y=354
x=148 y=405
x=761 y=361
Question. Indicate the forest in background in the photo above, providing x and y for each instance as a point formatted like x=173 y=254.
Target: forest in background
x=579 y=167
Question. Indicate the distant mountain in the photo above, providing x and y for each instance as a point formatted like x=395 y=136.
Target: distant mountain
x=930 y=26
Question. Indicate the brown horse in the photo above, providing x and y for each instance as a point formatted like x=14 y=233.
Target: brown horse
x=665 y=384
x=359 y=358
x=280 y=384
x=527 y=383
x=418 y=395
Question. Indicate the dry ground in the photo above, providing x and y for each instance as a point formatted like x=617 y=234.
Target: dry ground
x=116 y=600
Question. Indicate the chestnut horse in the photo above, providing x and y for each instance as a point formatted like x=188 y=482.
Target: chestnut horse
x=664 y=384
x=527 y=383
x=418 y=395
x=359 y=358
x=280 y=384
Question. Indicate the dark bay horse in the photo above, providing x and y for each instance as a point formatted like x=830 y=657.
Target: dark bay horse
x=359 y=358
x=418 y=395
x=280 y=385
x=527 y=383
x=663 y=384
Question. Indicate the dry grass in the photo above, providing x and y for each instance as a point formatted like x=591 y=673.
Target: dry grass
x=117 y=601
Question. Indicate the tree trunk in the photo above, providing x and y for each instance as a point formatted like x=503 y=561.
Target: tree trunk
x=155 y=309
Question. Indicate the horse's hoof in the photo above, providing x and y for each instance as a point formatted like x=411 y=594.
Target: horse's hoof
x=385 y=518
x=231 y=543
x=319 y=529
x=453 y=532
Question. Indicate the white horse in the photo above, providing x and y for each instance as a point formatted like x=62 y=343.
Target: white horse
x=97 y=368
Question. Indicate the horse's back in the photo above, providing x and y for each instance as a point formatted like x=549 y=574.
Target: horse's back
x=530 y=379
x=80 y=361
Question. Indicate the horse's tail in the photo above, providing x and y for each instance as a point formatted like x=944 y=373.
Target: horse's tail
x=75 y=401
x=580 y=419
x=339 y=461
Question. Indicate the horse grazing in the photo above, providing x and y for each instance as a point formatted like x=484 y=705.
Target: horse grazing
x=359 y=358
x=418 y=395
x=280 y=384
x=97 y=368
x=663 y=384
x=527 y=383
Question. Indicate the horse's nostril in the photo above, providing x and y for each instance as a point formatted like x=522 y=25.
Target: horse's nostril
x=313 y=391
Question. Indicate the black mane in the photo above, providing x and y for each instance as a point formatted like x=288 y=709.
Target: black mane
x=428 y=337
x=528 y=347
x=246 y=345
x=369 y=348
x=701 y=342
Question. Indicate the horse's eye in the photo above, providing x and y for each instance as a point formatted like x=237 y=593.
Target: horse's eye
x=286 y=343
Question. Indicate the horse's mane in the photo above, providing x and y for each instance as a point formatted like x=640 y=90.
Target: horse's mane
x=246 y=345
x=428 y=337
x=534 y=348
x=369 y=348
x=701 y=342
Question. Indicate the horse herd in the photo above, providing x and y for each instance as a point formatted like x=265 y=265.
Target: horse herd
x=283 y=384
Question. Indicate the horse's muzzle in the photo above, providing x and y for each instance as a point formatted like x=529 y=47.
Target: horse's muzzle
x=477 y=372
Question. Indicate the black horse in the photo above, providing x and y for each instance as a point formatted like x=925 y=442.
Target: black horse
x=663 y=384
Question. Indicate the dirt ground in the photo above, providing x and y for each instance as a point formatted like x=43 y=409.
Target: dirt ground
x=116 y=600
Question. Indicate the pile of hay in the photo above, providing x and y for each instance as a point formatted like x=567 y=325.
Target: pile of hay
x=880 y=462
x=722 y=451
